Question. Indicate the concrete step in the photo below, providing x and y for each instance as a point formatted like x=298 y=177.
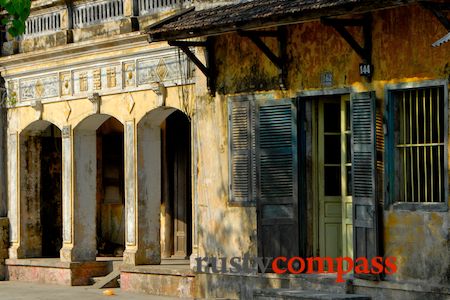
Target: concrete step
x=175 y=261
x=112 y=280
x=294 y=294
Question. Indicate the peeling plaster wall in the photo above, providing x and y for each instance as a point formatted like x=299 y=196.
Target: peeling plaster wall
x=402 y=52
x=419 y=240
x=222 y=230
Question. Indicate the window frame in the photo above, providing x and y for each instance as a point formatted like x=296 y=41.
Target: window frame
x=390 y=147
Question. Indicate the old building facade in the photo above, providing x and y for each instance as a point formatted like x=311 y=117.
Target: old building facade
x=243 y=129
x=89 y=103
x=333 y=118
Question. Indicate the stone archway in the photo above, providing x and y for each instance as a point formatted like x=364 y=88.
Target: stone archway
x=163 y=210
x=98 y=210
x=40 y=177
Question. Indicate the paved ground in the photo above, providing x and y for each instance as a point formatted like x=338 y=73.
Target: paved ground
x=31 y=291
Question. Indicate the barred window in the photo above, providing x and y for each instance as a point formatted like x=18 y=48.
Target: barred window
x=419 y=140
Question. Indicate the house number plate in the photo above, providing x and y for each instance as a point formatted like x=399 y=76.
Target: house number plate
x=365 y=70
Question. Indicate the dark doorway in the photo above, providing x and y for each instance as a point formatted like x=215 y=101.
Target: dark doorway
x=176 y=186
x=110 y=189
x=41 y=190
x=51 y=194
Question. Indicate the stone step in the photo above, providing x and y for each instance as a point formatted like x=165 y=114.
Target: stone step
x=294 y=294
x=174 y=261
x=112 y=280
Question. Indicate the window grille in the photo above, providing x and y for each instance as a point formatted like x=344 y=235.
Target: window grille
x=420 y=144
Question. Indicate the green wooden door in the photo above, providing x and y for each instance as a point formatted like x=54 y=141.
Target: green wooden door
x=334 y=177
x=277 y=178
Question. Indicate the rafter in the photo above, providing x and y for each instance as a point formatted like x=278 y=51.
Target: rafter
x=278 y=60
x=208 y=70
x=440 y=11
x=364 y=51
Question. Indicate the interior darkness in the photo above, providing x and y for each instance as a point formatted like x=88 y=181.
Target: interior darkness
x=110 y=189
x=178 y=151
x=51 y=193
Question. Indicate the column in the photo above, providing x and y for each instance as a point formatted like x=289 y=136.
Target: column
x=130 y=8
x=4 y=222
x=142 y=195
x=13 y=204
x=79 y=195
x=67 y=169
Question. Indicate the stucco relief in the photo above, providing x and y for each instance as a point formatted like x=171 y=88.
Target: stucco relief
x=66 y=83
x=163 y=69
x=129 y=74
x=168 y=68
x=39 y=87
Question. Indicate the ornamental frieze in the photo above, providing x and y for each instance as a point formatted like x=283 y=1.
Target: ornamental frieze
x=169 y=69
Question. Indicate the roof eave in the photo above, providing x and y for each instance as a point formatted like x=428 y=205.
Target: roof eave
x=290 y=19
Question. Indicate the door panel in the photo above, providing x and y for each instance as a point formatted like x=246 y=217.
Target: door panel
x=334 y=167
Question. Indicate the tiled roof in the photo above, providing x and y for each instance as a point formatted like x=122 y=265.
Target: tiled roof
x=257 y=14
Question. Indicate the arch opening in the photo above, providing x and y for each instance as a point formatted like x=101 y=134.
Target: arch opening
x=164 y=183
x=40 y=190
x=99 y=188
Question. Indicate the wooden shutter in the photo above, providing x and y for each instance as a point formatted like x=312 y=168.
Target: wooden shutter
x=365 y=208
x=277 y=178
x=242 y=151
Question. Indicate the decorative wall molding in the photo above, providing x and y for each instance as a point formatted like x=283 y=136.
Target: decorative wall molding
x=95 y=100
x=38 y=107
x=65 y=132
x=166 y=67
x=161 y=91
x=67 y=110
x=128 y=99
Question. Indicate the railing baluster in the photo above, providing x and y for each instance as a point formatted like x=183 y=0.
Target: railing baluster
x=92 y=13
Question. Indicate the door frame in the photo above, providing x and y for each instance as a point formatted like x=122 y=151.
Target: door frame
x=311 y=97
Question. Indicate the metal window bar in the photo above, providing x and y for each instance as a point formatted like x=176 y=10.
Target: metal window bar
x=420 y=143
x=439 y=99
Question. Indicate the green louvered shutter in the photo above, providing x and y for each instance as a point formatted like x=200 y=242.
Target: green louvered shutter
x=365 y=208
x=242 y=151
x=277 y=178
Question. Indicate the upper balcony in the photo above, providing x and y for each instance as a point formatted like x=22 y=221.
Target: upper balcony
x=54 y=23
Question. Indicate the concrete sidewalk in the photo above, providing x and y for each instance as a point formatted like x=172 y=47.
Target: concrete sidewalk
x=11 y=290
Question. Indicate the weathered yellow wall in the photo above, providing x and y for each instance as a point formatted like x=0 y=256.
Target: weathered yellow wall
x=402 y=52
x=222 y=230
x=113 y=105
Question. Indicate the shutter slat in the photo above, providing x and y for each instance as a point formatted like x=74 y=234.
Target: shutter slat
x=365 y=226
x=242 y=173
x=277 y=178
